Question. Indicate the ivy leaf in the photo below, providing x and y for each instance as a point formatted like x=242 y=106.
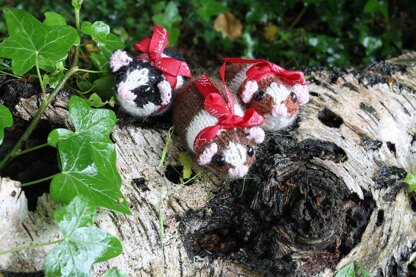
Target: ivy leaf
x=364 y=272
x=6 y=120
x=97 y=30
x=97 y=102
x=115 y=272
x=106 y=41
x=30 y=42
x=77 y=4
x=210 y=8
x=53 y=18
x=104 y=86
x=186 y=162
x=87 y=158
x=168 y=19
x=410 y=180
x=83 y=244
x=346 y=271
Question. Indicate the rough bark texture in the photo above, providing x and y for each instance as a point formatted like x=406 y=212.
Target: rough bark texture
x=323 y=193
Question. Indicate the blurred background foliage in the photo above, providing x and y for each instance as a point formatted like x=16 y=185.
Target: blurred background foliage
x=291 y=33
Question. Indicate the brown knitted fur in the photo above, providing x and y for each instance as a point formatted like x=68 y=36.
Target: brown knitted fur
x=188 y=103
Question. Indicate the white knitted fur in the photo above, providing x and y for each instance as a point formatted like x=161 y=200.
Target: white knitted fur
x=239 y=78
x=279 y=92
x=201 y=121
x=165 y=92
x=119 y=59
x=235 y=154
x=125 y=96
x=250 y=88
x=209 y=152
x=255 y=133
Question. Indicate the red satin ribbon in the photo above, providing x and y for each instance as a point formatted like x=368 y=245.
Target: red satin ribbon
x=154 y=47
x=215 y=105
x=261 y=68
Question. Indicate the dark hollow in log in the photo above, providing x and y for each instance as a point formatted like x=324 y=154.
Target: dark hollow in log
x=289 y=210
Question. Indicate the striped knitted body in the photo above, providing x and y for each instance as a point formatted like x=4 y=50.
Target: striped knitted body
x=231 y=151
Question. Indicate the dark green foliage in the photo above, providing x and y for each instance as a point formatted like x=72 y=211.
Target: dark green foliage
x=291 y=33
x=6 y=120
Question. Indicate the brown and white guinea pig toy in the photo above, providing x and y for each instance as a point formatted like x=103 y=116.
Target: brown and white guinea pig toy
x=275 y=93
x=213 y=125
x=145 y=84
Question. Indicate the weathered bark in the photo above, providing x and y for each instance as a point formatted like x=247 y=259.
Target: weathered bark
x=323 y=193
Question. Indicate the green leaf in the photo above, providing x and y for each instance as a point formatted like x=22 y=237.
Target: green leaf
x=77 y=4
x=53 y=18
x=58 y=135
x=95 y=101
x=6 y=120
x=186 y=162
x=364 y=272
x=115 y=272
x=32 y=42
x=52 y=81
x=168 y=19
x=346 y=271
x=207 y=9
x=83 y=245
x=374 y=6
x=410 y=180
x=104 y=86
x=106 y=41
x=97 y=30
x=87 y=158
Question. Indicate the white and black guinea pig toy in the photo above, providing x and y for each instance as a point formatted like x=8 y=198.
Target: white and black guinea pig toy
x=275 y=93
x=145 y=84
x=213 y=125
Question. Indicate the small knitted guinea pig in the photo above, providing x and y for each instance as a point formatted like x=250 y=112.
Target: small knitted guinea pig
x=215 y=128
x=145 y=84
x=275 y=93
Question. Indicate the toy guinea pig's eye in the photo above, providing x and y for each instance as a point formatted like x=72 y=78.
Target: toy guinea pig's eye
x=259 y=95
x=294 y=97
x=250 y=151
x=218 y=160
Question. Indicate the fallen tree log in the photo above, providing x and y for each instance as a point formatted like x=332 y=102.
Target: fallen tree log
x=323 y=193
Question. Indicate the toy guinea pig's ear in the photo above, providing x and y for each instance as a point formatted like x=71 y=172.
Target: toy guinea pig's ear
x=165 y=92
x=255 y=133
x=206 y=156
x=302 y=93
x=119 y=59
x=250 y=88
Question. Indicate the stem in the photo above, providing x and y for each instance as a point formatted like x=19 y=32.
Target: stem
x=37 y=181
x=42 y=85
x=37 y=116
x=31 y=149
x=243 y=188
x=20 y=248
x=9 y=74
x=89 y=71
x=298 y=17
x=77 y=26
x=161 y=227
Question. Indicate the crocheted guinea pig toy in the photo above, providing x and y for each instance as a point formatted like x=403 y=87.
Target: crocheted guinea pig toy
x=274 y=92
x=215 y=128
x=145 y=84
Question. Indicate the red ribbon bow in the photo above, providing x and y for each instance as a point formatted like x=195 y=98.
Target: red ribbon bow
x=216 y=106
x=154 y=47
x=261 y=68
